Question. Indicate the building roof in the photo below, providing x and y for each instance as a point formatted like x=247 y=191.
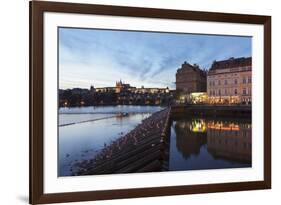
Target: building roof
x=195 y=67
x=232 y=63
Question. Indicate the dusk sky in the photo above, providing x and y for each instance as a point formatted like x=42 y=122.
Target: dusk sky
x=101 y=57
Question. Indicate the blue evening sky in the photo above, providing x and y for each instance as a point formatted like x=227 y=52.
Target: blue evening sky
x=101 y=57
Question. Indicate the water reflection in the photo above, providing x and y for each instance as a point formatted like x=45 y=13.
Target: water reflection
x=230 y=140
x=209 y=144
x=189 y=141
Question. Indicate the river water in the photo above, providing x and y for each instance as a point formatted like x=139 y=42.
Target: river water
x=84 y=131
x=198 y=143
x=195 y=143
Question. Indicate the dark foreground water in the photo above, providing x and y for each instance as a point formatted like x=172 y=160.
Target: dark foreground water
x=197 y=143
x=194 y=143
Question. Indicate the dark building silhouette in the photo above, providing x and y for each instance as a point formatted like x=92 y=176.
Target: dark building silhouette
x=190 y=78
x=188 y=141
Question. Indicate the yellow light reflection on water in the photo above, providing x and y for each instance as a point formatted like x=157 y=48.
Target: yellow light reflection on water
x=202 y=126
x=198 y=126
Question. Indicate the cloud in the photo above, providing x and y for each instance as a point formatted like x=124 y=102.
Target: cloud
x=101 y=57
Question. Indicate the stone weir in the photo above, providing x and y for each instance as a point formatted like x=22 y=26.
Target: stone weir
x=233 y=111
x=143 y=149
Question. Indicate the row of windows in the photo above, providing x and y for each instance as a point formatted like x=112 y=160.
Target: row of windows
x=218 y=82
x=220 y=92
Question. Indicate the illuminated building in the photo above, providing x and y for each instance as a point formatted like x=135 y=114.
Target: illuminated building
x=230 y=81
x=152 y=90
x=198 y=98
x=106 y=90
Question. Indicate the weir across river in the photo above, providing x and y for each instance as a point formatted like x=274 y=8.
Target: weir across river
x=144 y=149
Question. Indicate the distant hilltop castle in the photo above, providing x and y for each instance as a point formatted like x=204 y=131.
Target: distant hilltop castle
x=121 y=87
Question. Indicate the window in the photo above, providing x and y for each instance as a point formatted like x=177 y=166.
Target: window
x=235 y=81
x=225 y=92
x=219 y=92
x=249 y=80
x=219 y=82
x=244 y=91
x=244 y=80
x=225 y=82
x=235 y=91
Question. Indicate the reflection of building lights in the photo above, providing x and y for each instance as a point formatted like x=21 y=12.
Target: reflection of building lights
x=202 y=126
x=199 y=126
x=224 y=128
x=221 y=126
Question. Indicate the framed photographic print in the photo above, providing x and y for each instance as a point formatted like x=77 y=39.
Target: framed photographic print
x=139 y=102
